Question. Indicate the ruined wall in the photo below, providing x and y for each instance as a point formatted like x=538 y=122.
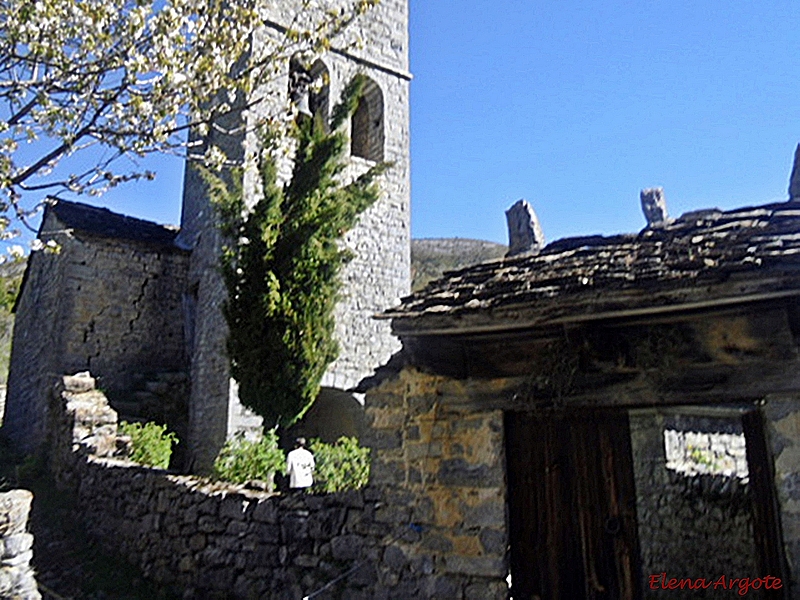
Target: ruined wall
x=16 y=575
x=125 y=303
x=683 y=518
x=210 y=540
x=373 y=281
x=102 y=304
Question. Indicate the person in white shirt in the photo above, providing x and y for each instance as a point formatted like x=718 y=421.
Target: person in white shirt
x=300 y=466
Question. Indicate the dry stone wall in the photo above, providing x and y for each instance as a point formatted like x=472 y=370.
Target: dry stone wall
x=430 y=525
x=35 y=351
x=16 y=576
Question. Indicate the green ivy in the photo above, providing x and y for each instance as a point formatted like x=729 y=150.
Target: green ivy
x=242 y=460
x=281 y=263
x=340 y=466
x=151 y=444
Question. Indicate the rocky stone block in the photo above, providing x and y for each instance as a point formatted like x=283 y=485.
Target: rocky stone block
x=294 y=528
x=234 y=506
x=458 y=472
x=16 y=544
x=387 y=472
x=654 y=206
x=486 y=590
x=77 y=384
x=524 y=231
x=347 y=547
x=14 y=508
x=479 y=566
x=327 y=523
x=264 y=512
x=493 y=541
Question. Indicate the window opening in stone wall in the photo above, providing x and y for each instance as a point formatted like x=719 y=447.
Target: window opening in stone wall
x=319 y=92
x=702 y=453
x=367 y=135
x=309 y=88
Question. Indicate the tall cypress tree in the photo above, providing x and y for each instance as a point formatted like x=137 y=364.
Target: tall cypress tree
x=281 y=263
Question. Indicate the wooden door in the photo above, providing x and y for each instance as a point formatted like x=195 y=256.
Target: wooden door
x=572 y=506
x=770 y=558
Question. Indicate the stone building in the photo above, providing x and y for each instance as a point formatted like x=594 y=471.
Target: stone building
x=380 y=273
x=601 y=417
x=600 y=411
x=139 y=304
x=109 y=301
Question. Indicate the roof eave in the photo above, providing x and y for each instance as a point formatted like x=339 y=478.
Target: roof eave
x=407 y=327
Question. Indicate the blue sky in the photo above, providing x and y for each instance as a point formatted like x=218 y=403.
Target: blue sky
x=577 y=105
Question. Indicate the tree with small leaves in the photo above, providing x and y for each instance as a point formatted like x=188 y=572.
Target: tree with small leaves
x=130 y=77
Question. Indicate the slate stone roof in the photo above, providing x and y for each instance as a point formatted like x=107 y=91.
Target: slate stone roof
x=102 y=222
x=703 y=258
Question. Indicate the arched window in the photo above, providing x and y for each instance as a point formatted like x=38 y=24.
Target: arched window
x=366 y=132
x=319 y=91
x=309 y=88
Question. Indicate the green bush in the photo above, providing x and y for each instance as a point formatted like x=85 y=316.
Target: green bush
x=340 y=466
x=242 y=460
x=151 y=444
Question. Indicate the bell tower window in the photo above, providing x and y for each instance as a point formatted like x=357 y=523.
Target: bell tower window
x=367 y=130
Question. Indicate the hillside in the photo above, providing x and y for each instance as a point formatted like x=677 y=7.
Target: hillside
x=430 y=258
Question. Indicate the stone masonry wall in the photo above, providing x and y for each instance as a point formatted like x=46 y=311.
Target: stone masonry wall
x=442 y=466
x=35 y=351
x=373 y=281
x=210 y=540
x=782 y=412
x=430 y=525
x=126 y=309
x=16 y=576
x=109 y=305
x=681 y=518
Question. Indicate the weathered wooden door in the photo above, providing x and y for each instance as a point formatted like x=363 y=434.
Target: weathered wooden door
x=572 y=506
x=767 y=538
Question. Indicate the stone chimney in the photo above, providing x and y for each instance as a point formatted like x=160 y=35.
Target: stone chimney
x=654 y=206
x=524 y=232
x=794 y=180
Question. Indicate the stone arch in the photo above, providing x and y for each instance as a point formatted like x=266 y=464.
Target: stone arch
x=320 y=91
x=309 y=87
x=367 y=130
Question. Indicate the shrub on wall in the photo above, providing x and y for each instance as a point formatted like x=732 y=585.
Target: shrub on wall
x=340 y=466
x=151 y=444
x=242 y=460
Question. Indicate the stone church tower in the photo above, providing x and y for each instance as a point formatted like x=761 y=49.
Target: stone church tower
x=380 y=271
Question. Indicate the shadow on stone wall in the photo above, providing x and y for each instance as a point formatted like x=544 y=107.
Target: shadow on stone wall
x=335 y=413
